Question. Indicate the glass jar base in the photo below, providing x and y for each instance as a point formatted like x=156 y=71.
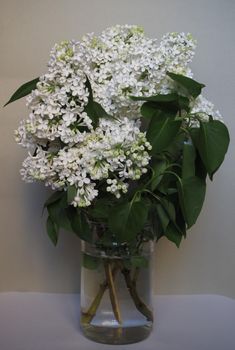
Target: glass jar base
x=116 y=335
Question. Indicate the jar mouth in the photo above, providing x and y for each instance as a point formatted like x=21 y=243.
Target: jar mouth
x=106 y=244
x=117 y=250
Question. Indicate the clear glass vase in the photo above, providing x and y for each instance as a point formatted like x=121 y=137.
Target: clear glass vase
x=116 y=294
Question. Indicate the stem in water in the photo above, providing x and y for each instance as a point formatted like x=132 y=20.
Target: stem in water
x=88 y=316
x=112 y=291
x=131 y=285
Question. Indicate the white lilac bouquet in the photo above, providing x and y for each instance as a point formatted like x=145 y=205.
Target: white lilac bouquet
x=122 y=134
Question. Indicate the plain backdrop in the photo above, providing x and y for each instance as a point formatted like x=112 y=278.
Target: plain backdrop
x=205 y=262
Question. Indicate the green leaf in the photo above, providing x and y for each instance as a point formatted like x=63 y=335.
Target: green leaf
x=184 y=103
x=54 y=198
x=139 y=261
x=191 y=196
x=158 y=170
x=211 y=141
x=88 y=85
x=156 y=111
x=101 y=209
x=79 y=224
x=188 y=163
x=23 y=90
x=163 y=217
x=90 y=262
x=58 y=212
x=174 y=150
x=71 y=193
x=136 y=262
x=167 y=218
x=93 y=109
x=192 y=86
x=169 y=208
x=161 y=133
x=154 y=222
x=52 y=230
x=200 y=170
x=157 y=98
x=100 y=112
x=171 y=108
x=64 y=221
x=173 y=234
x=54 y=210
x=149 y=110
x=180 y=222
x=127 y=219
x=172 y=102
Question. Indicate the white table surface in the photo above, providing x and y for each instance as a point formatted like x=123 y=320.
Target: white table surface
x=41 y=321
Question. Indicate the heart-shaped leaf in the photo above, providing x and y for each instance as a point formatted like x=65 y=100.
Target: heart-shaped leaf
x=127 y=219
x=161 y=133
x=173 y=234
x=211 y=140
x=79 y=224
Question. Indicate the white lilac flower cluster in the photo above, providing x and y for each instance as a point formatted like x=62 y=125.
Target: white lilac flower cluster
x=114 y=151
x=64 y=147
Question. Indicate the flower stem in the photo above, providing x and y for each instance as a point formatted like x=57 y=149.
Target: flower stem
x=112 y=291
x=88 y=316
x=131 y=285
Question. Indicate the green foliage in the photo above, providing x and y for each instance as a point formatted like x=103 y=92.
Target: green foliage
x=56 y=206
x=191 y=197
x=90 y=262
x=170 y=103
x=149 y=110
x=158 y=168
x=136 y=262
x=168 y=198
x=127 y=219
x=71 y=193
x=161 y=132
x=23 y=90
x=80 y=224
x=163 y=217
x=188 y=160
x=52 y=230
x=157 y=98
x=169 y=208
x=61 y=215
x=211 y=141
x=174 y=150
x=54 y=198
x=173 y=234
x=93 y=109
x=100 y=210
x=192 y=87
x=139 y=261
x=166 y=215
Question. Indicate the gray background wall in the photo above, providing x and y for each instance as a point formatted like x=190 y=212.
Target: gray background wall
x=28 y=29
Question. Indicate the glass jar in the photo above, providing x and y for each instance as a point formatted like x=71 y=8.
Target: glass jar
x=116 y=293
